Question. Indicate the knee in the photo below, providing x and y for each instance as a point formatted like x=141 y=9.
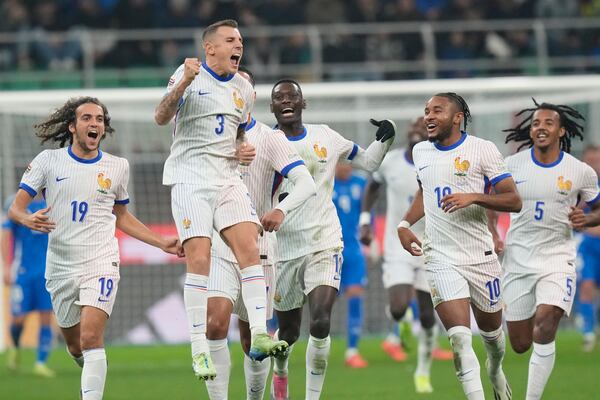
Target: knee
x=544 y=329
x=217 y=327
x=74 y=349
x=427 y=318
x=520 y=346
x=198 y=263
x=398 y=310
x=290 y=334
x=319 y=326
x=90 y=339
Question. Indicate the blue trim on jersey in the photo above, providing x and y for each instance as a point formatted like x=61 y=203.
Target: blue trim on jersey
x=243 y=126
x=125 y=201
x=499 y=178
x=353 y=152
x=28 y=189
x=290 y=167
x=408 y=160
x=594 y=200
x=552 y=164
x=84 y=160
x=250 y=125
x=299 y=137
x=217 y=76
x=277 y=180
x=463 y=137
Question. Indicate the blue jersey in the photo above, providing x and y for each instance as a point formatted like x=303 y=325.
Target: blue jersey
x=29 y=247
x=347 y=197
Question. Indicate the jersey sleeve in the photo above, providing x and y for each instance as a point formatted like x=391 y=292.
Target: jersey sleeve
x=379 y=175
x=346 y=149
x=121 y=194
x=493 y=164
x=35 y=176
x=589 y=191
x=283 y=155
x=174 y=80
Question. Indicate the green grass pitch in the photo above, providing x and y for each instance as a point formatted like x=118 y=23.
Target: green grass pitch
x=164 y=372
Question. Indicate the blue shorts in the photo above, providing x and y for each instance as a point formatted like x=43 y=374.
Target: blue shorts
x=29 y=293
x=354 y=268
x=589 y=254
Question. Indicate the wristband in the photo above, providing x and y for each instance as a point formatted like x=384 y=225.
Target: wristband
x=365 y=218
x=403 y=224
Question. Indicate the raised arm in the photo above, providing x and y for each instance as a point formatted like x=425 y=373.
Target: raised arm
x=371 y=158
x=166 y=109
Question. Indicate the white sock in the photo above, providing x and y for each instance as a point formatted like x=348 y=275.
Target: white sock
x=465 y=362
x=78 y=360
x=256 y=373
x=254 y=294
x=317 y=354
x=93 y=375
x=427 y=338
x=195 y=298
x=495 y=345
x=540 y=368
x=219 y=352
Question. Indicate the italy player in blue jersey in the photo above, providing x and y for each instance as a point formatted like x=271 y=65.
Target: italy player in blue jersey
x=347 y=195
x=28 y=291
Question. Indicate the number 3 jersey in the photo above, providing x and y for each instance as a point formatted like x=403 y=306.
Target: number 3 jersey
x=461 y=237
x=540 y=236
x=81 y=194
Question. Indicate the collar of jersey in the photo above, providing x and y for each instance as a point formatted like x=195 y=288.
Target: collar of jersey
x=217 y=76
x=550 y=165
x=463 y=137
x=84 y=160
x=299 y=137
x=250 y=125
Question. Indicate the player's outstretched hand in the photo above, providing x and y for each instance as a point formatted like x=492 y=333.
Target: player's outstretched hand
x=191 y=68
x=386 y=129
x=577 y=218
x=366 y=235
x=272 y=220
x=172 y=245
x=39 y=221
x=410 y=242
x=245 y=153
x=456 y=201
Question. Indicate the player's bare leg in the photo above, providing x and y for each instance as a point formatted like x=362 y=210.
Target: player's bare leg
x=399 y=299
x=492 y=334
x=219 y=313
x=289 y=330
x=91 y=339
x=242 y=238
x=197 y=251
x=255 y=372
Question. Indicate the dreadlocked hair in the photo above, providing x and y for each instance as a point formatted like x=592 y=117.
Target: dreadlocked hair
x=568 y=117
x=460 y=103
x=56 y=127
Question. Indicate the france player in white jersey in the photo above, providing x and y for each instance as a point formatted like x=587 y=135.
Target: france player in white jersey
x=401 y=271
x=453 y=169
x=539 y=261
x=309 y=243
x=86 y=193
x=211 y=105
x=275 y=157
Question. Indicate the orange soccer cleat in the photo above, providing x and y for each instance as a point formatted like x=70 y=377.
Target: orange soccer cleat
x=394 y=350
x=442 y=354
x=356 y=361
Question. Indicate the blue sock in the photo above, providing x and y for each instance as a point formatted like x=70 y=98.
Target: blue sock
x=45 y=343
x=587 y=312
x=355 y=305
x=414 y=306
x=15 y=333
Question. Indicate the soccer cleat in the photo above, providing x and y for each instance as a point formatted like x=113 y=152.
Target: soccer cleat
x=423 y=384
x=42 y=370
x=203 y=367
x=500 y=385
x=442 y=354
x=12 y=359
x=356 y=361
x=589 y=342
x=395 y=351
x=264 y=346
x=279 y=387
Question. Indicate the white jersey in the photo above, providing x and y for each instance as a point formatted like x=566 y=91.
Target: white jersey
x=540 y=237
x=81 y=194
x=206 y=123
x=275 y=157
x=398 y=173
x=314 y=226
x=461 y=237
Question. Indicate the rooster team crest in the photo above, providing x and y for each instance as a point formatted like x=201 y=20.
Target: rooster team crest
x=461 y=166
x=186 y=223
x=103 y=183
x=564 y=186
x=238 y=101
x=321 y=153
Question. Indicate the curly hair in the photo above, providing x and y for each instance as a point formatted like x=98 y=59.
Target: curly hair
x=568 y=117
x=56 y=127
x=460 y=103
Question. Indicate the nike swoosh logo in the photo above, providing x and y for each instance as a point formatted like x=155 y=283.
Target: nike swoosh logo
x=422 y=168
x=87 y=391
x=493 y=303
x=259 y=308
x=252 y=390
x=197 y=325
x=201 y=93
x=517 y=182
x=61 y=179
x=101 y=300
x=315 y=373
x=463 y=373
x=336 y=278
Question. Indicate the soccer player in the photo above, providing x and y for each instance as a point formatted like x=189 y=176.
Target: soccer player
x=401 y=271
x=589 y=274
x=275 y=157
x=348 y=194
x=309 y=243
x=539 y=256
x=462 y=268
x=211 y=105
x=86 y=192
x=28 y=291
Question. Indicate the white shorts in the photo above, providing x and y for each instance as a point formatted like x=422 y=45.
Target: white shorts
x=71 y=293
x=225 y=280
x=298 y=277
x=402 y=272
x=197 y=210
x=479 y=282
x=524 y=292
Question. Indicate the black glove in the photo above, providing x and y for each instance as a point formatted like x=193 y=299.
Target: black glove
x=386 y=129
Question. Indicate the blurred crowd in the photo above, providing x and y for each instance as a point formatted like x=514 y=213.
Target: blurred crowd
x=36 y=20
